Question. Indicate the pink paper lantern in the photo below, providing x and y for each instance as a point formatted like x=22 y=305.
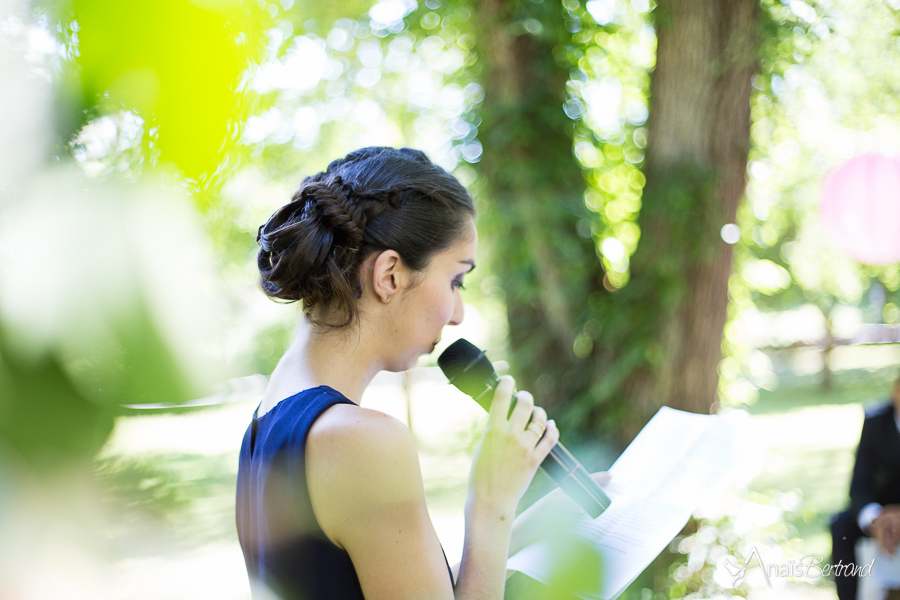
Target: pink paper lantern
x=861 y=208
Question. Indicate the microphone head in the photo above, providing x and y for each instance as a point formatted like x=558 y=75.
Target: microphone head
x=467 y=367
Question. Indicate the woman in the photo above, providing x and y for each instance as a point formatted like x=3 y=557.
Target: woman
x=330 y=501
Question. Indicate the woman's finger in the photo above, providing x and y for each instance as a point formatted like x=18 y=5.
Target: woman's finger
x=539 y=414
x=536 y=426
x=551 y=436
x=522 y=411
x=502 y=399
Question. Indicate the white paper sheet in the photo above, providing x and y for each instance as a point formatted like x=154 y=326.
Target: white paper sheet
x=673 y=464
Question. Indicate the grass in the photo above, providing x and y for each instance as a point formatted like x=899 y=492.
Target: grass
x=853 y=386
x=817 y=464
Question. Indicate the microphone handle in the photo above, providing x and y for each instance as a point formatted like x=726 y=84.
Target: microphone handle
x=560 y=465
x=575 y=481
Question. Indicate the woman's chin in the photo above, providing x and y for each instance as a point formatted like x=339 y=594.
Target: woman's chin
x=409 y=360
x=404 y=364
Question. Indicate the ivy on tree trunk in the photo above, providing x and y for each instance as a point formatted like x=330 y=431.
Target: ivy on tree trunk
x=659 y=338
x=696 y=159
x=534 y=190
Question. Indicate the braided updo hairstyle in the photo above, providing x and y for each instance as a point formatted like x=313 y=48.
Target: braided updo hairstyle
x=372 y=200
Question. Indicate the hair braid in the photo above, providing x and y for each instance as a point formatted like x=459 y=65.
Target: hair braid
x=373 y=199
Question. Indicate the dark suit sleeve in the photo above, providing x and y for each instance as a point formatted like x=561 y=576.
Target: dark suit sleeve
x=862 y=485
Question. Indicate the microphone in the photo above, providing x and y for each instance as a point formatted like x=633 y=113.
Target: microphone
x=468 y=368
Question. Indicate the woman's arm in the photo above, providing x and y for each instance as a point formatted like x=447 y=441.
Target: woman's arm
x=367 y=493
x=504 y=464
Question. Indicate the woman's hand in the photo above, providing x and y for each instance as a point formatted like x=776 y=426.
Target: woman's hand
x=505 y=461
x=509 y=453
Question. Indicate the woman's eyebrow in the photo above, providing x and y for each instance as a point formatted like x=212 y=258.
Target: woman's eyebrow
x=469 y=262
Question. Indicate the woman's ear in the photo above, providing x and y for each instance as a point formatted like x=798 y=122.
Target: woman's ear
x=388 y=275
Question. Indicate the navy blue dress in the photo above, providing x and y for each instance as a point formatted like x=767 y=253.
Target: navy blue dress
x=284 y=548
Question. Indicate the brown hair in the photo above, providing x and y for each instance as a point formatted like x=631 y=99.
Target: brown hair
x=372 y=200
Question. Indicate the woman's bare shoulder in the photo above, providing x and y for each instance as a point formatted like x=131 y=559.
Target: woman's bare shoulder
x=365 y=451
x=348 y=427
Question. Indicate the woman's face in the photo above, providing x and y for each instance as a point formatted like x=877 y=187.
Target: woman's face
x=435 y=300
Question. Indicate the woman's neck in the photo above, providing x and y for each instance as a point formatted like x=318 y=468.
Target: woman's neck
x=339 y=359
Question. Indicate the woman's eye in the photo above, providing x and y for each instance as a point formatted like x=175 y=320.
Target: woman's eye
x=459 y=284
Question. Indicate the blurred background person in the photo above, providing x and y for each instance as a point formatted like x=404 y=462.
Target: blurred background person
x=874 y=493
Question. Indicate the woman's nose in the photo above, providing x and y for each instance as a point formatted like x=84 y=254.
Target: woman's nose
x=459 y=311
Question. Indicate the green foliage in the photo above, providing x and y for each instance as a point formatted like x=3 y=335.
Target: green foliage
x=106 y=319
x=612 y=83
x=814 y=106
x=139 y=85
x=576 y=567
x=541 y=247
x=46 y=420
x=680 y=211
x=725 y=540
x=269 y=345
x=590 y=221
x=618 y=325
x=174 y=63
x=677 y=214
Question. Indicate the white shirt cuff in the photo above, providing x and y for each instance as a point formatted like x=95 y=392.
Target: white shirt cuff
x=869 y=513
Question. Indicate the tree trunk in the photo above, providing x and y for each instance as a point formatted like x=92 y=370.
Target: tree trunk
x=658 y=340
x=699 y=137
x=534 y=190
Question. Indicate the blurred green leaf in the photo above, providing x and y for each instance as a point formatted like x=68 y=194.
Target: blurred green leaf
x=176 y=63
x=45 y=421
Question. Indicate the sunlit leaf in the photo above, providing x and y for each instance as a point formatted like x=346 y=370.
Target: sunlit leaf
x=176 y=63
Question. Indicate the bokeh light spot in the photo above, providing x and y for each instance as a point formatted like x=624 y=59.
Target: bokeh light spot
x=731 y=233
